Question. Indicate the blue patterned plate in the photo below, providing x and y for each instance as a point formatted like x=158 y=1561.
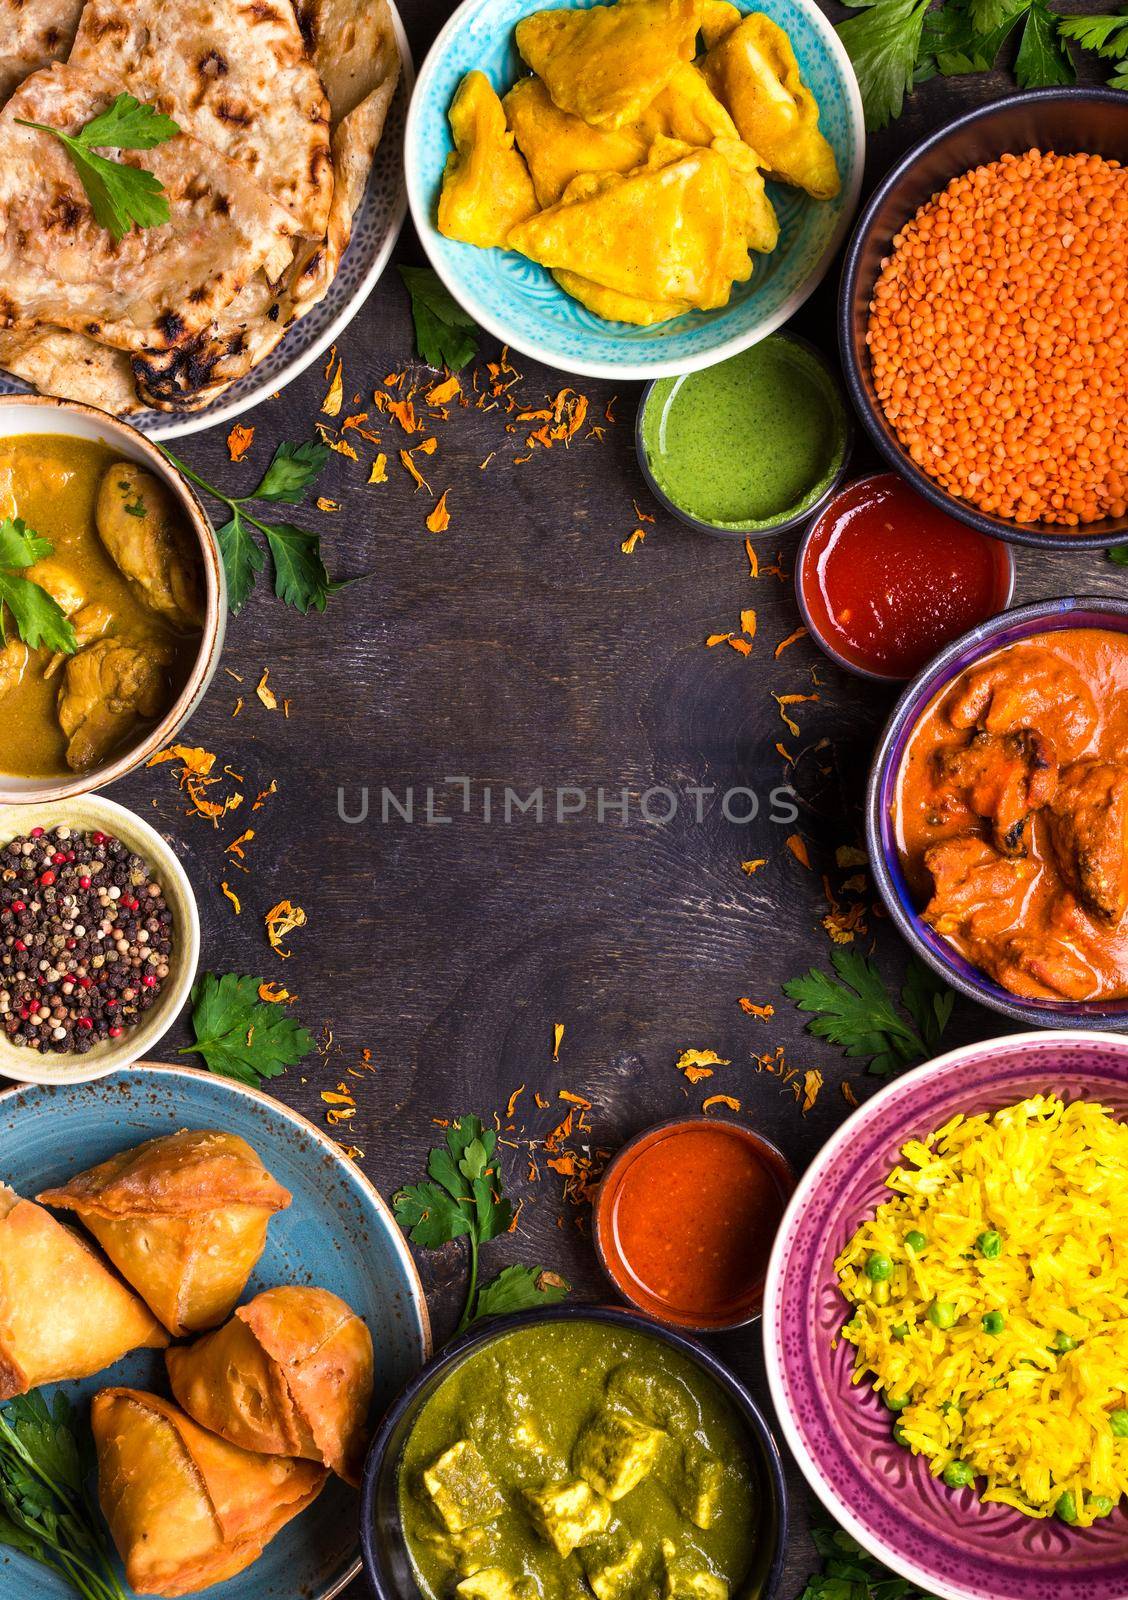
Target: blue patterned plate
x=338 y=1234
x=520 y=303
x=376 y=227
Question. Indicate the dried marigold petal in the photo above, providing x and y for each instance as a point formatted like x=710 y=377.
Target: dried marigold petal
x=439 y=519
x=404 y=413
x=812 y=1083
x=848 y=1094
x=239 y=441
x=748 y=621
x=409 y=465
x=265 y=693
x=323 y=503
x=232 y=896
x=511 y=1103
x=191 y=757
x=798 y=847
x=275 y=994
x=557 y=1039
x=751 y=1009
x=235 y=848
x=630 y=544
x=334 y=399
x=281 y=920
x=753 y=559
x=791 y=638
x=379 y=473
x=717 y=638
x=720 y=1100
x=753 y=866
x=444 y=392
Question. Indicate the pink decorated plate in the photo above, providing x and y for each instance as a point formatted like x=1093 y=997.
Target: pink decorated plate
x=840 y=1433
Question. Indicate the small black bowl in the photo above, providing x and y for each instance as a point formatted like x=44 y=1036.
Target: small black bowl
x=1070 y=121
x=387 y=1565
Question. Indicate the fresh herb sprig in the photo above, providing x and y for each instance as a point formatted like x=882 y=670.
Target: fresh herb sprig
x=45 y=1510
x=896 y=44
x=121 y=196
x=240 y=1035
x=857 y=1011
x=445 y=335
x=36 y=615
x=300 y=578
x=851 y=1573
x=463 y=1199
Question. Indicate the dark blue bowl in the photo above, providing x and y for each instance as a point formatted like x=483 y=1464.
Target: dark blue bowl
x=1043 y=616
x=1070 y=121
x=387 y=1565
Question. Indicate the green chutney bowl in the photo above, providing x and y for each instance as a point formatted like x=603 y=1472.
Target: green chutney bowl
x=750 y=447
x=387 y=1563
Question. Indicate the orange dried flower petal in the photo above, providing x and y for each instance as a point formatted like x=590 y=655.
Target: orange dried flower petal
x=439 y=519
x=239 y=441
x=720 y=1100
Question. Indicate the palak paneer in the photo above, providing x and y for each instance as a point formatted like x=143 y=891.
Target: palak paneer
x=119 y=573
x=571 y=1459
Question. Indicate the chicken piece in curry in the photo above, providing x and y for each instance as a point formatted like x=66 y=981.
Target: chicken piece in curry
x=1012 y=815
x=125 y=572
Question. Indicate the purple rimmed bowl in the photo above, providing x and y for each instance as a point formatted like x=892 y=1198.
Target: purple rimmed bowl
x=1043 y=616
x=943 y=1539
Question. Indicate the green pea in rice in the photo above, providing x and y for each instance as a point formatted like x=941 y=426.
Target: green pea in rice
x=1033 y=1422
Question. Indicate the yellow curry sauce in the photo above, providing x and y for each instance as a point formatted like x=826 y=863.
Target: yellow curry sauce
x=53 y=483
x=1011 y=815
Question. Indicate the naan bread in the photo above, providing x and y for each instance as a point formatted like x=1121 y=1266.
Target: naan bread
x=33 y=33
x=157 y=287
x=71 y=366
x=233 y=73
x=354 y=50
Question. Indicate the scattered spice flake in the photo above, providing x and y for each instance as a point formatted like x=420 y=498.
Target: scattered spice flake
x=357 y=420
x=232 y=896
x=751 y=1009
x=641 y=515
x=264 y=794
x=439 y=520
x=541 y=1101
x=720 y=1100
x=511 y=1103
x=341 y=446
x=194 y=761
x=443 y=393
x=791 y=638
x=404 y=413
x=741 y=646
x=848 y=1094
x=608 y=413
x=323 y=503
x=785 y=700
x=275 y=994
x=575 y=1099
x=699 y=1064
x=409 y=464
x=239 y=441
x=235 y=848
x=557 y=1039
x=334 y=399
x=848 y=855
x=632 y=543
x=748 y=621
x=753 y=559
x=238 y=706
x=782 y=750
x=281 y=920
x=426 y=448
x=798 y=846
x=342 y=1106
x=379 y=473
x=265 y=693
x=812 y=1083
x=483 y=465
x=329 y=362
x=717 y=638
x=751 y=867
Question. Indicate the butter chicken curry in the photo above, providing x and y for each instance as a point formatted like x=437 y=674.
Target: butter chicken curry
x=124 y=570
x=1012 y=815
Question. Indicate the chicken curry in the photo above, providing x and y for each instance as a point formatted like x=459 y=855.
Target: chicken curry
x=124 y=572
x=1012 y=815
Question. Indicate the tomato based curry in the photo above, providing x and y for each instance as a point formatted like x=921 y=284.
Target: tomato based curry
x=1011 y=815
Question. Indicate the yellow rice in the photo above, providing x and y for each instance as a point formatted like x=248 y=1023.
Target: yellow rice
x=1031 y=1422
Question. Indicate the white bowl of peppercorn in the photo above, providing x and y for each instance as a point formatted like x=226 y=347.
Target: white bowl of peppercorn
x=99 y=939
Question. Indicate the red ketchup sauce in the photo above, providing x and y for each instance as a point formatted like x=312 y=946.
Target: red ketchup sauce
x=887 y=579
x=685 y=1221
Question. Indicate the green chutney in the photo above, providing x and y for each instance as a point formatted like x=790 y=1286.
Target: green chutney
x=573 y=1459
x=749 y=443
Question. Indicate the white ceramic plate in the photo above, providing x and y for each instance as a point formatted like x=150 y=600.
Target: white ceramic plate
x=376 y=228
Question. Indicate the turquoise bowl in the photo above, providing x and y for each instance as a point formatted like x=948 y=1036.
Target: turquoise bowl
x=338 y=1234
x=519 y=301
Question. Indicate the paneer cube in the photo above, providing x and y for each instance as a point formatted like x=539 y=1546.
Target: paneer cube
x=614 y=1570
x=462 y=1491
x=687 y=1579
x=615 y=1452
x=566 y=1514
x=700 y=1488
x=492 y=1583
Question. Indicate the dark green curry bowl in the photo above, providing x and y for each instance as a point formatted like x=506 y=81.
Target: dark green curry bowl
x=387 y=1562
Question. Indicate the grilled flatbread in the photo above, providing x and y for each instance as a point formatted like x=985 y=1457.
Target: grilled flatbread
x=159 y=286
x=233 y=73
x=71 y=366
x=33 y=33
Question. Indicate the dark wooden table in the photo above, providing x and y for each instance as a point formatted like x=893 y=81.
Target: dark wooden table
x=522 y=648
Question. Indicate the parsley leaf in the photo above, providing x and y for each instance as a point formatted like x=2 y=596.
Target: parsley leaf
x=462 y=1198
x=241 y=1036
x=293 y=468
x=857 y=1011
x=443 y=331
x=37 y=615
x=883 y=42
x=243 y=560
x=1119 y=555
x=1043 y=58
x=120 y=195
x=850 y=1573
x=300 y=578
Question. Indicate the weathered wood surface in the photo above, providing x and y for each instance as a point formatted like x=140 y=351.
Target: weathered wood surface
x=522 y=648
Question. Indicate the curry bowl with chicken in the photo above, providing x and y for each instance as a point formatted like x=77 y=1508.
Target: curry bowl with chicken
x=111 y=600
x=998 y=813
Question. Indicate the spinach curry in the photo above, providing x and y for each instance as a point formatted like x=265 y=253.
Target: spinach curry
x=575 y=1459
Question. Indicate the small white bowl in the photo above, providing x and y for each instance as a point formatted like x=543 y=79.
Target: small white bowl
x=38 y=414
x=90 y=813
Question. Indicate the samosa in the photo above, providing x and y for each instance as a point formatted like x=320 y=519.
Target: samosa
x=607 y=63
x=486 y=184
x=559 y=146
x=184 y=1220
x=63 y=1314
x=187 y=1509
x=290 y=1375
x=753 y=71
x=687 y=109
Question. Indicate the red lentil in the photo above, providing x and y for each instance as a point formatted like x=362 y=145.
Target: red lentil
x=998 y=338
